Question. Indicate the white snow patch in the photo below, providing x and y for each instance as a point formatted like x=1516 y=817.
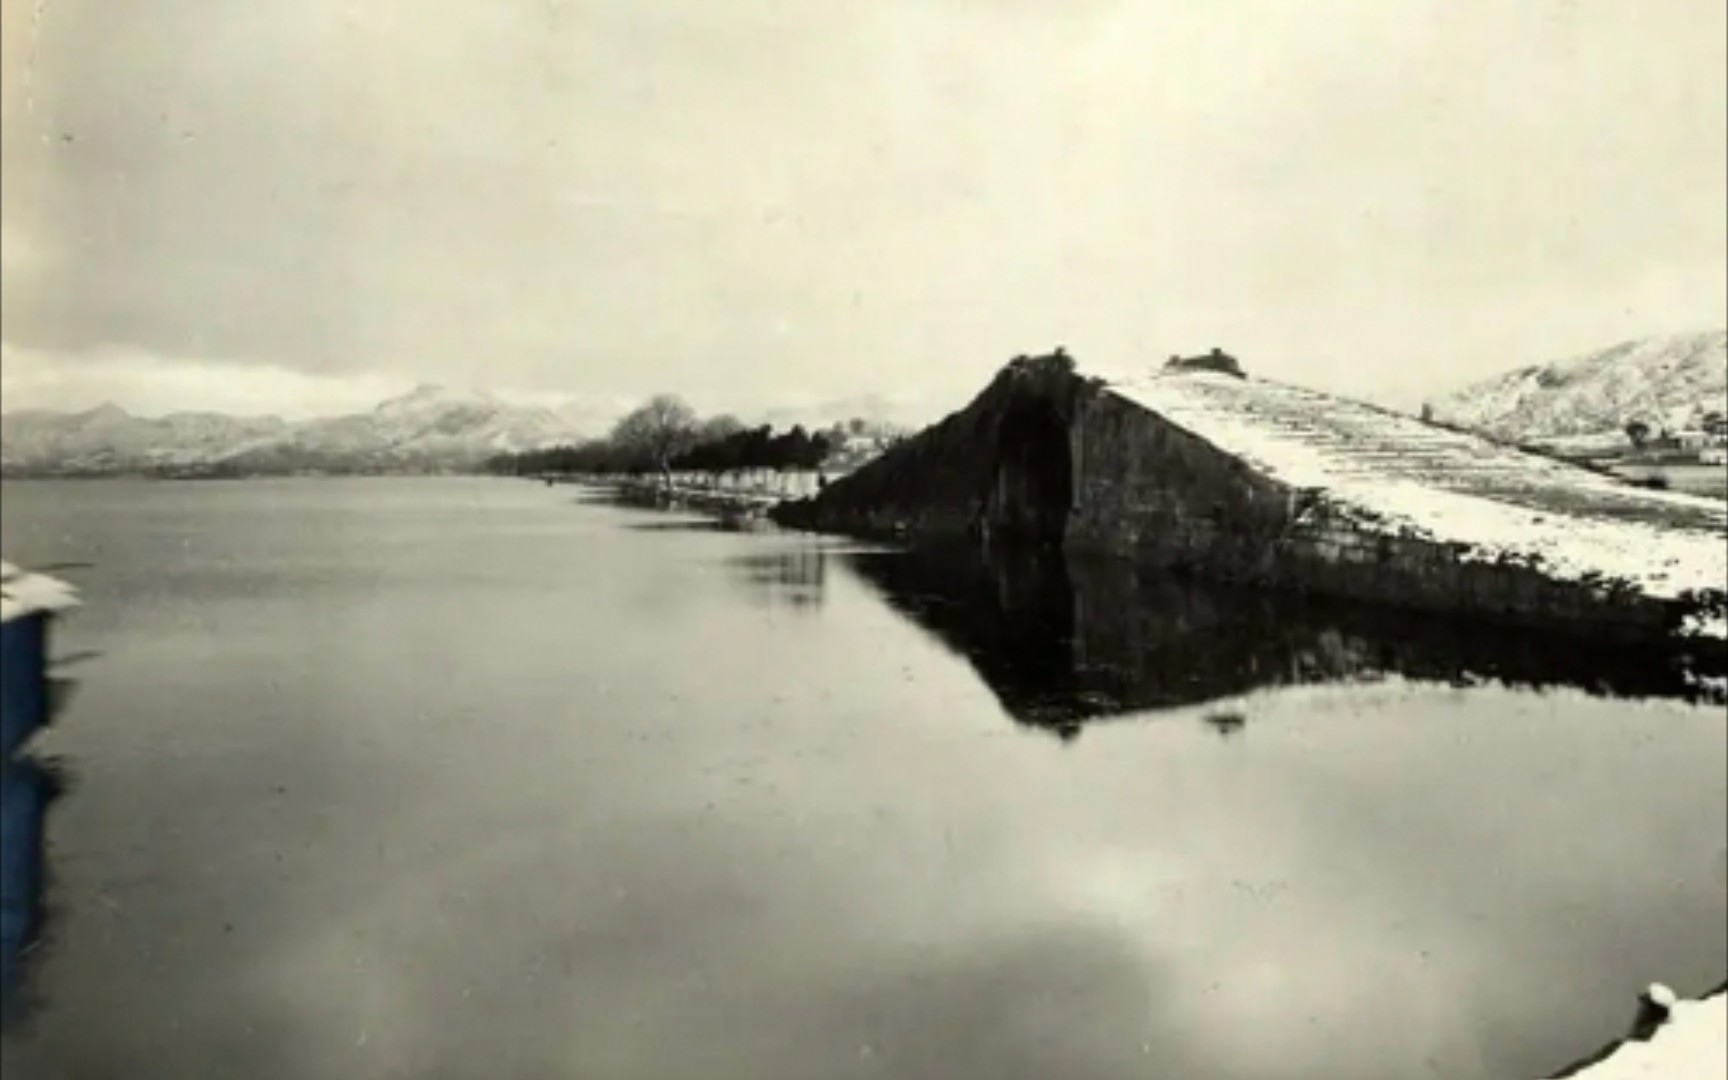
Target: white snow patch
x=23 y=593
x=1691 y=1046
x=1705 y=625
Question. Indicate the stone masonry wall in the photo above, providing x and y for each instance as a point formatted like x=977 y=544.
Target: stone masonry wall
x=936 y=485
x=1148 y=490
x=1345 y=559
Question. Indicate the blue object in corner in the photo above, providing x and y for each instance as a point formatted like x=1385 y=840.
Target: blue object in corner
x=23 y=679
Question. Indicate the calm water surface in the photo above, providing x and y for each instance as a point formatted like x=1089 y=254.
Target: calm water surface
x=468 y=778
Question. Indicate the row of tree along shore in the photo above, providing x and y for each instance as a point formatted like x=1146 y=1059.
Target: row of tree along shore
x=665 y=435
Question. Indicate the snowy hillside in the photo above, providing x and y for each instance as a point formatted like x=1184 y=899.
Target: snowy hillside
x=109 y=438
x=429 y=428
x=1667 y=382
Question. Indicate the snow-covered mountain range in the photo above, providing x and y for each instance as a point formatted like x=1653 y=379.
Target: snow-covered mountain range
x=1669 y=382
x=429 y=429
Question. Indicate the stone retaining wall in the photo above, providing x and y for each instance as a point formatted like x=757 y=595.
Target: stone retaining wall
x=1148 y=490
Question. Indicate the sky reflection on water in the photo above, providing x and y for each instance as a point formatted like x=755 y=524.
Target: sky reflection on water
x=460 y=778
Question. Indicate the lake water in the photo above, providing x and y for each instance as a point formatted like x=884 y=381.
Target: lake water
x=479 y=778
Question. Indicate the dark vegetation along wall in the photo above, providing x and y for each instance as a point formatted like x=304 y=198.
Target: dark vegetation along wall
x=1051 y=458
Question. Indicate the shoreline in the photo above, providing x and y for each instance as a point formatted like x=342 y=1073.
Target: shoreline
x=1698 y=645
x=1691 y=1042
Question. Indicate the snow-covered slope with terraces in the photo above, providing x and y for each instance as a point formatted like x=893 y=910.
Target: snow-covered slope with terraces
x=1395 y=472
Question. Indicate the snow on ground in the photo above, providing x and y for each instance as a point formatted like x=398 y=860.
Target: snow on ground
x=23 y=593
x=1691 y=1046
x=1396 y=473
x=770 y=484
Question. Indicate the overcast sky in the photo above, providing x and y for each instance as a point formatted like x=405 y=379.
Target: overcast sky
x=301 y=206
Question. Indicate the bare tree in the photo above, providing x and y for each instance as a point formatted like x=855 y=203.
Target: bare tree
x=657 y=431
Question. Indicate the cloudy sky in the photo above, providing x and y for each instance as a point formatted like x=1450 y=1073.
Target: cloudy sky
x=302 y=206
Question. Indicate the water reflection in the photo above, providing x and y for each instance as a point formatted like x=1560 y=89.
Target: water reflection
x=691 y=840
x=1225 y=723
x=1062 y=639
x=795 y=578
x=705 y=516
x=725 y=523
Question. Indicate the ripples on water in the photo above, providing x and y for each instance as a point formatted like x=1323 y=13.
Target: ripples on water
x=473 y=778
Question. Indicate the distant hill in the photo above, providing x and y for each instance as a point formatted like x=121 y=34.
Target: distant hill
x=431 y=429
x=1668 y=382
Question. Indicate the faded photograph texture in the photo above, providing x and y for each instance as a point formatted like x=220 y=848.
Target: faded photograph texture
x=927 y=539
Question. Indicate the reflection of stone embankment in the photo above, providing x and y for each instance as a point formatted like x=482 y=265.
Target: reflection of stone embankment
x=745 y=493
x=1061 y=639
x=795 y=579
